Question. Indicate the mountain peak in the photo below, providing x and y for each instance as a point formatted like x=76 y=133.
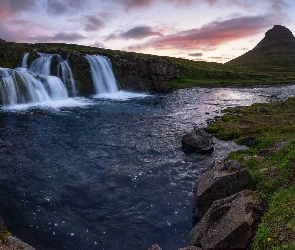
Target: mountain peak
x=2 y=41
x=279 y=31
x=278 y=34
x=275 y=51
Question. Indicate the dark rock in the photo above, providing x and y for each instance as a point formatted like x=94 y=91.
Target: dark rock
x=265 y=152
x=143 y=74
x=263 y=110
x=227 y=224
x=248 y=141
x=221 y=181
x=198 y=141
x=82 y=73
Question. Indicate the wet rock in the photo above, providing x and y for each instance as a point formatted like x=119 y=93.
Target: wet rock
x=198 y=141
x=14 y=243
x=155 y=247
x=190 y=248
x=221 y=181
x=82 y=73
x=227 y=224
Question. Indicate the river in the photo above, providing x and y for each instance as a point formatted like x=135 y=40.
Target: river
x=109 y=172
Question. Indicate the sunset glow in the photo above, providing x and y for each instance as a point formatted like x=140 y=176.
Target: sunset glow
x=210 y=30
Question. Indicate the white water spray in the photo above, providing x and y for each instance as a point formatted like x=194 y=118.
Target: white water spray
x=65 y=73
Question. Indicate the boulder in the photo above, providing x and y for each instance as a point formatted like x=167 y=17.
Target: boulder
x=227 y=224
x=190 y=248
x=155 y=247
x=223 y=180
x=198 y=140
x=14 y=243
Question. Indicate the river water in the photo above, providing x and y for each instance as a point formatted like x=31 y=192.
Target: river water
x=100 y=173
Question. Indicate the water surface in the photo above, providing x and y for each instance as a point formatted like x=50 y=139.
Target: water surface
x=106 y=173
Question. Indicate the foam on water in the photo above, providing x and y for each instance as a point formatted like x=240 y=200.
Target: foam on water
x=58 y=104
x=121 y=95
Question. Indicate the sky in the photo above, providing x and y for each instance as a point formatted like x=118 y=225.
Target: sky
x=207 y=30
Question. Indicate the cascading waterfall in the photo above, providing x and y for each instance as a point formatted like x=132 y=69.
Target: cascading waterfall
x=41 y=65
x=102 y=74
x=65 y=73
x=35 y=85
x=25 y=60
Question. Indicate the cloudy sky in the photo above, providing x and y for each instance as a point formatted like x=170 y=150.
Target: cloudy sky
x=210 y=30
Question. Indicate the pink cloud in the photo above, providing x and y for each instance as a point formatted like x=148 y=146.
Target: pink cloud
x=211 y=34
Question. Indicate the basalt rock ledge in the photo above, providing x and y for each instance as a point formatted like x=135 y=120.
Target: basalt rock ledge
x=133 y=71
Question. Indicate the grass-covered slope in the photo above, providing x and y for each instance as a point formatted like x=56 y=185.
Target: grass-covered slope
x=270 y=129
x=210 y=74
x=274 y=53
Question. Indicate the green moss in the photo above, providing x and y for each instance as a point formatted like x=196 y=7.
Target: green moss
x=4 y=235
x=272 y=170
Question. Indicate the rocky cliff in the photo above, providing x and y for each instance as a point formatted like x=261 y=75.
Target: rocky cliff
x=133 y=71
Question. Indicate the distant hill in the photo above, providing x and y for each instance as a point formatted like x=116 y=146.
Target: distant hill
x=2 y=41
x=275 y=52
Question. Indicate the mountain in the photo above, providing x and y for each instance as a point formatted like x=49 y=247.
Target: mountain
x=275 y=52
x=2 y=41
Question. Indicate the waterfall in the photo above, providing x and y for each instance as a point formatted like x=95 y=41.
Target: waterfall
x=33 y=85
x=41 y=65
x=102 y=74
x=65 y=73
x=25 y=60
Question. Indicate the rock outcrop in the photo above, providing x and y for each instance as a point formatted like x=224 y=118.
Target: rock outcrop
x=81 y=72
x=221 y=181
x=227 y=224
x=198 y=140
x=143 y=74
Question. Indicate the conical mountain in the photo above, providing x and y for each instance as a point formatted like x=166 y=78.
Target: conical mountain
x=275 y=52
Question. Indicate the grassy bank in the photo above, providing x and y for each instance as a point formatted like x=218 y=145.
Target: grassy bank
x=269 y=129
x=211 y=74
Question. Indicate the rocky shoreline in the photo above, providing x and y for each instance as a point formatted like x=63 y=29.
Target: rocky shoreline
x=225 y=212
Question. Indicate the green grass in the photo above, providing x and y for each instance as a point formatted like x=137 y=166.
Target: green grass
x=272 y=168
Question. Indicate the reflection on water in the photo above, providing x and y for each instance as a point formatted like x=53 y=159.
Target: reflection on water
x=110 y=174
